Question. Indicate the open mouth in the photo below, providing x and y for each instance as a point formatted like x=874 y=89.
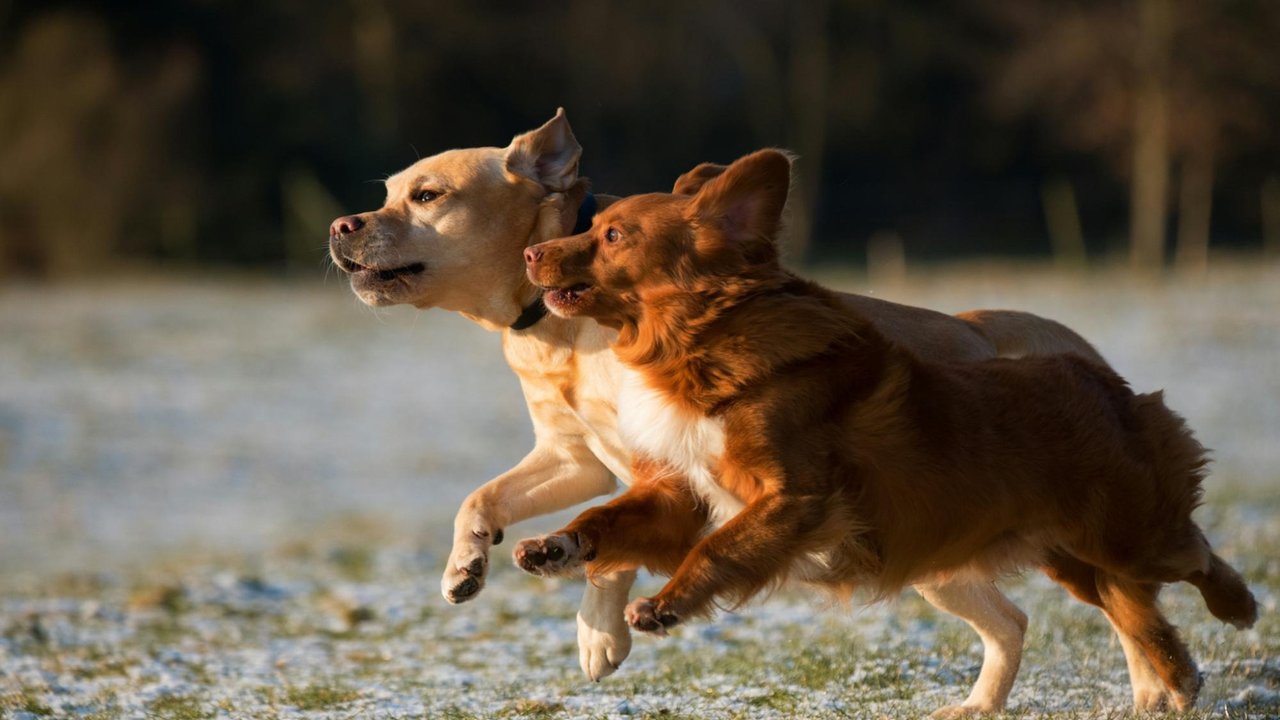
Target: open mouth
x=566 y=297
x=355 y=268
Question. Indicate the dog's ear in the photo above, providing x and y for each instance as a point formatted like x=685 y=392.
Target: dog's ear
x=548 y=155
x=691 y=182
x=744 y=203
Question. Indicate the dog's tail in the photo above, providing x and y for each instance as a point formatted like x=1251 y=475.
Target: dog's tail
x=1014 y=334
x=1180 y=462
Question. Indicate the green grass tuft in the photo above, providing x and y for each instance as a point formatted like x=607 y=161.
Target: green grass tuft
x=178 y=707
x=26 y=701
x=317 y=697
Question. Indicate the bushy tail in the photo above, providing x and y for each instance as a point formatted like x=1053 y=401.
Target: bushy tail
x=1015 y=334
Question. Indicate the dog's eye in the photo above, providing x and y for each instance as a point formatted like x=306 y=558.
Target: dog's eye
x=426 y=196
x=611 y=235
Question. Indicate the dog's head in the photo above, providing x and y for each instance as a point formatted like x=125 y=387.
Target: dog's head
x=451 y=230
x=645 y=248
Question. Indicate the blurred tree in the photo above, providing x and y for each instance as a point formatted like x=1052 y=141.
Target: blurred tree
x=1150 y=84
x=84 y=141
x=783 y=58
x=208 y=132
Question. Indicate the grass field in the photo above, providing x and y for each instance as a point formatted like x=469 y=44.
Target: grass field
x=233 y=499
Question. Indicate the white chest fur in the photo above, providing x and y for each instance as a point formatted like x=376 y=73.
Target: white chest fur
x=651 y=425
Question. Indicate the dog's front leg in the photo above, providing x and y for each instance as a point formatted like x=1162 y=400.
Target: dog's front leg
x=653 y=524
x=557 y=474
x=733 y=563
x=604 y=640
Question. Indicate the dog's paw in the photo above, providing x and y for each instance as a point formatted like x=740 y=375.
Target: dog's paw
x=468 y=564
x=1184 y=698
x=555 y=554
x=645 y=615
x=1152 y=700
x=602 y=645
x=951 y=712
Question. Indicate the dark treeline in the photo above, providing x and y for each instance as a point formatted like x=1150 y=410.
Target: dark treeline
x=205 y=132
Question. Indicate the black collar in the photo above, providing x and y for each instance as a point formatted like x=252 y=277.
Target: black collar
x=530 y=316
x=586 y=211
x=537 y=310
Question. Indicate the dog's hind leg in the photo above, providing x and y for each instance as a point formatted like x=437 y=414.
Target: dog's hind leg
x=1131 y=607
x=1078 y=577
x=1000 y=624
x=1225 y=593
x=1191 y=559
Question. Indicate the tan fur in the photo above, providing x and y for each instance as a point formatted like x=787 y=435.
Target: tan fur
x=847 y=460
x=495 y=202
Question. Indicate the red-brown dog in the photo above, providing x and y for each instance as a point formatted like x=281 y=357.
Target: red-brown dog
x=761 y=405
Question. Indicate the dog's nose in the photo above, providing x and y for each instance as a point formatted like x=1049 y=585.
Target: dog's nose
x=345 y=225
x=532 y=255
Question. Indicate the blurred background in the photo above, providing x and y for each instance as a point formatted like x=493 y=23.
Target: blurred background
x=195 y=132
x=175 y=373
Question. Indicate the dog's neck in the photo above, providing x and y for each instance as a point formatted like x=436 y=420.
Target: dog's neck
x=520 y=308
x=704 y=349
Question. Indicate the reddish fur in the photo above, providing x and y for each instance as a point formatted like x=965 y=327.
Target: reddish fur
x=654 y=526
x=692 y=181
x=837 y=440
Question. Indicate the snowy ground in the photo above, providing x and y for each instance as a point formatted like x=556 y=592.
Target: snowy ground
x=229 y=499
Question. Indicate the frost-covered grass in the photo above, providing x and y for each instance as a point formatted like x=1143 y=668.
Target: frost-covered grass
x=296 y=635
x=233 y=500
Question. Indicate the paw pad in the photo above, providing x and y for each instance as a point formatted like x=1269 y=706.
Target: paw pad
x=644 y=615
x=464 y=590
x=550 y=554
